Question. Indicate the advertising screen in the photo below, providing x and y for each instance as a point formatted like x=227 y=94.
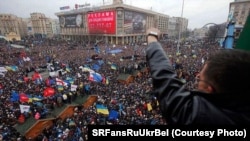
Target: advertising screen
x=75 y=20
x=102 y=22
x=134 y=22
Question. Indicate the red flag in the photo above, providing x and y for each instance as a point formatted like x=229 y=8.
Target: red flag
x=36 y=75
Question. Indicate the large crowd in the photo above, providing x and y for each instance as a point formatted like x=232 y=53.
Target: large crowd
x=129 y=100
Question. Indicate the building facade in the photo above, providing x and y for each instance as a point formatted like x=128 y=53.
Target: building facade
x=117 y=23
x=176 y=25
x=12 y=27
x=239 y=10
x=55 y=27
x=42 y=26
x=200 y=33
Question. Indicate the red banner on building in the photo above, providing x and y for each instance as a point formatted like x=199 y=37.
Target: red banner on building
x=103 y=22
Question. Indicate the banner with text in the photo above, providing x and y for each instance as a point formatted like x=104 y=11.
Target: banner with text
x=103 y=22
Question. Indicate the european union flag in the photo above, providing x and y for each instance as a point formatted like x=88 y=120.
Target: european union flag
x=113 y=115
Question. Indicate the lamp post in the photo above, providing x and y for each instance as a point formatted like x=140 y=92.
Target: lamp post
x=180 y=28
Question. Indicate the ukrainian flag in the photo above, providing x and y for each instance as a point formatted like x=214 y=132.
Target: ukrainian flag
x=67 y=69
x=107 y=81
x=113 y=66
x=70 y=80
x=101 y=109
x=36 y=99
x=11 y=68
x=81 y=85
x=20 y=80
x=60 y=87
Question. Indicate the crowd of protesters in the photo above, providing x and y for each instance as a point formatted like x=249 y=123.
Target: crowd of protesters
x=130 y=100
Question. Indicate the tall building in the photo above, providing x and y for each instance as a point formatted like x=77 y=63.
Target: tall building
x=200 y=33
x=176 y=25
x=117 y=23
x=239 y=11
x=55 y=27
x=42 y=26
x=12 y=27
x=29 y=27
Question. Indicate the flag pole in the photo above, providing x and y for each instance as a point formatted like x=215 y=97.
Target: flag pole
x=180 y=28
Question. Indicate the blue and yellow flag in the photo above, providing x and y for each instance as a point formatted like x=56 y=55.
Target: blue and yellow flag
x=60 y=87
x=114 y=67
x=11 y=68
x=101 y=109
x=107 y=81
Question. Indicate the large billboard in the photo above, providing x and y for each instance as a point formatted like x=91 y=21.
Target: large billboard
x=102 y=22
x=75 y=20
x=134 y=22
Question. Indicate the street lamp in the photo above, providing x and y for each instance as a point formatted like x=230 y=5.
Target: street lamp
x=180 y=28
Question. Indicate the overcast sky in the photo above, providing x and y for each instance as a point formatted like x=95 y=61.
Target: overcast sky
x=198 y=12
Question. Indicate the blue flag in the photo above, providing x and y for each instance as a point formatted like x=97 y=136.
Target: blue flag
x=113 y=115
x=14 y=96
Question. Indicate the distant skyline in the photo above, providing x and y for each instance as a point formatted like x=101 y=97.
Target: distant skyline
x=198 y=12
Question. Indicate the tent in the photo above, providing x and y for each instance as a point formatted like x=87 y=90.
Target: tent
x=93 y=76
x=125 y=78
x=114 y=51
x=3 y=37
x=3 y=69
x=137 y=73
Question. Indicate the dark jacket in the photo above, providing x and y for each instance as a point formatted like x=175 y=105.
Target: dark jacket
x=183 y=107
